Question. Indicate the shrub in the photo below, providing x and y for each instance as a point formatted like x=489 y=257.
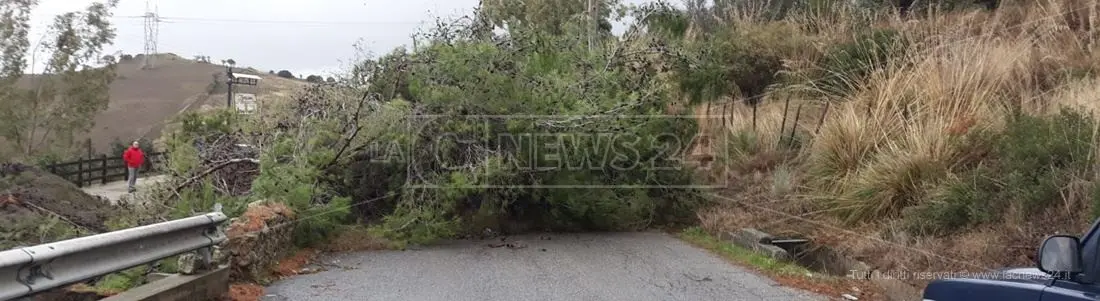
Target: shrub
x=847 y=65
x=118 y=146
x=728 y=58
x=286 y=74
x=1035 y=158
x=480 y=176
x=664 y=19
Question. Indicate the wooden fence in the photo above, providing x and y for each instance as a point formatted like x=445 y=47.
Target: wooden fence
x=103 y=169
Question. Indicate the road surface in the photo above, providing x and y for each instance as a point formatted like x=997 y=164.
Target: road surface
x=114 y=191
x=621 y=266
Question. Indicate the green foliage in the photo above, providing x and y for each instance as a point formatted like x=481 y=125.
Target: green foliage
x=701 y=238
x=42 y=160
x=663 y=19
x=74 y=88
x=197 y=201
x=169 y=265
x=847 y=65
x=118 y=146
x=289 y=173
x=33 y=229
x=733 y=64
x=478 y=171
x=120 y=222
x=120 y=281
x=1036 y=158
x=286 y=74
x=546 y=16
x=295 y=184
x=193 y=128
x=205 y=125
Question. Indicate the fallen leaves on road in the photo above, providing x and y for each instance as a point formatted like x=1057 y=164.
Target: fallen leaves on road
x=294 y=265
x=245 y=292
x=518 y=244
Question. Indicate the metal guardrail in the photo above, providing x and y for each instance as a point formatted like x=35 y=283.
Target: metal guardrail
x=29 y=270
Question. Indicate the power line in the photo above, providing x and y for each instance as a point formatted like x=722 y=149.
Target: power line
x=253 y=21
x=152 y=28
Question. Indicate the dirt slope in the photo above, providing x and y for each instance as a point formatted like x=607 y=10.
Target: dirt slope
x=38 y=207
x=143 y=100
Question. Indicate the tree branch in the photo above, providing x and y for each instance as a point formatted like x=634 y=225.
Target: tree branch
x=212 y=169
x=354 y=133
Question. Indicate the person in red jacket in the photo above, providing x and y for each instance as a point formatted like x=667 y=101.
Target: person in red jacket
x=134 y=158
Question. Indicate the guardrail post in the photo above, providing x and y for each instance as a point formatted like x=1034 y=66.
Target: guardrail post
x=207 y=256
x=103 y=171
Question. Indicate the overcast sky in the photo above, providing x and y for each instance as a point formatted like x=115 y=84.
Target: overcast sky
x=305 y=37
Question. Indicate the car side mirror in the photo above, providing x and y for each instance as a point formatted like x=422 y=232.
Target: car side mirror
x=1060 y=255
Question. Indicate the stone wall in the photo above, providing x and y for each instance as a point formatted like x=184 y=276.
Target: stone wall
x=258 y=239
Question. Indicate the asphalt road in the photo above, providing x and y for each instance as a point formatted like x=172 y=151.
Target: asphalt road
x=619 y=266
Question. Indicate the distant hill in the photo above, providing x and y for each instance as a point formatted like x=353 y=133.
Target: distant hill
x=143 y=101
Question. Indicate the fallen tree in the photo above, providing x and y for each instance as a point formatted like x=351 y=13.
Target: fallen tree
x=444 y=140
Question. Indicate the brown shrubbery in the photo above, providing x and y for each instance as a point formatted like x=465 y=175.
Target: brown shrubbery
x=951 y=142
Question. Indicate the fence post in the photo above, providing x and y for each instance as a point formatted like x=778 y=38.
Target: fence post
x=103 y=170
x=754 y=117
x=783 y=124
x=822 y=120
x=794 y=127
x=80 y=172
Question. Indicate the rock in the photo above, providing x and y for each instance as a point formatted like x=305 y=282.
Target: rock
x=192 y=263
x=757 y=241
x=220 y=257
x=187 y=264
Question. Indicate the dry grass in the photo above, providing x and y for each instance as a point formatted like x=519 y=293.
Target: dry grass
x=910 y=127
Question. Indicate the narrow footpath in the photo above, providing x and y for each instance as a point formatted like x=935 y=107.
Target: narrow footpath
x=114 y=191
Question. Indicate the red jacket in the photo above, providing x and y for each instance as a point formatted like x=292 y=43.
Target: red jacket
x=133 y=157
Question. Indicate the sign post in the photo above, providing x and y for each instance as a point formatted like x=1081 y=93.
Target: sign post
x=246 y=102
x=238 y=79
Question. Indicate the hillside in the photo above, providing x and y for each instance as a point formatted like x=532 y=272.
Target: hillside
x=143 y=101
x=950 y=140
